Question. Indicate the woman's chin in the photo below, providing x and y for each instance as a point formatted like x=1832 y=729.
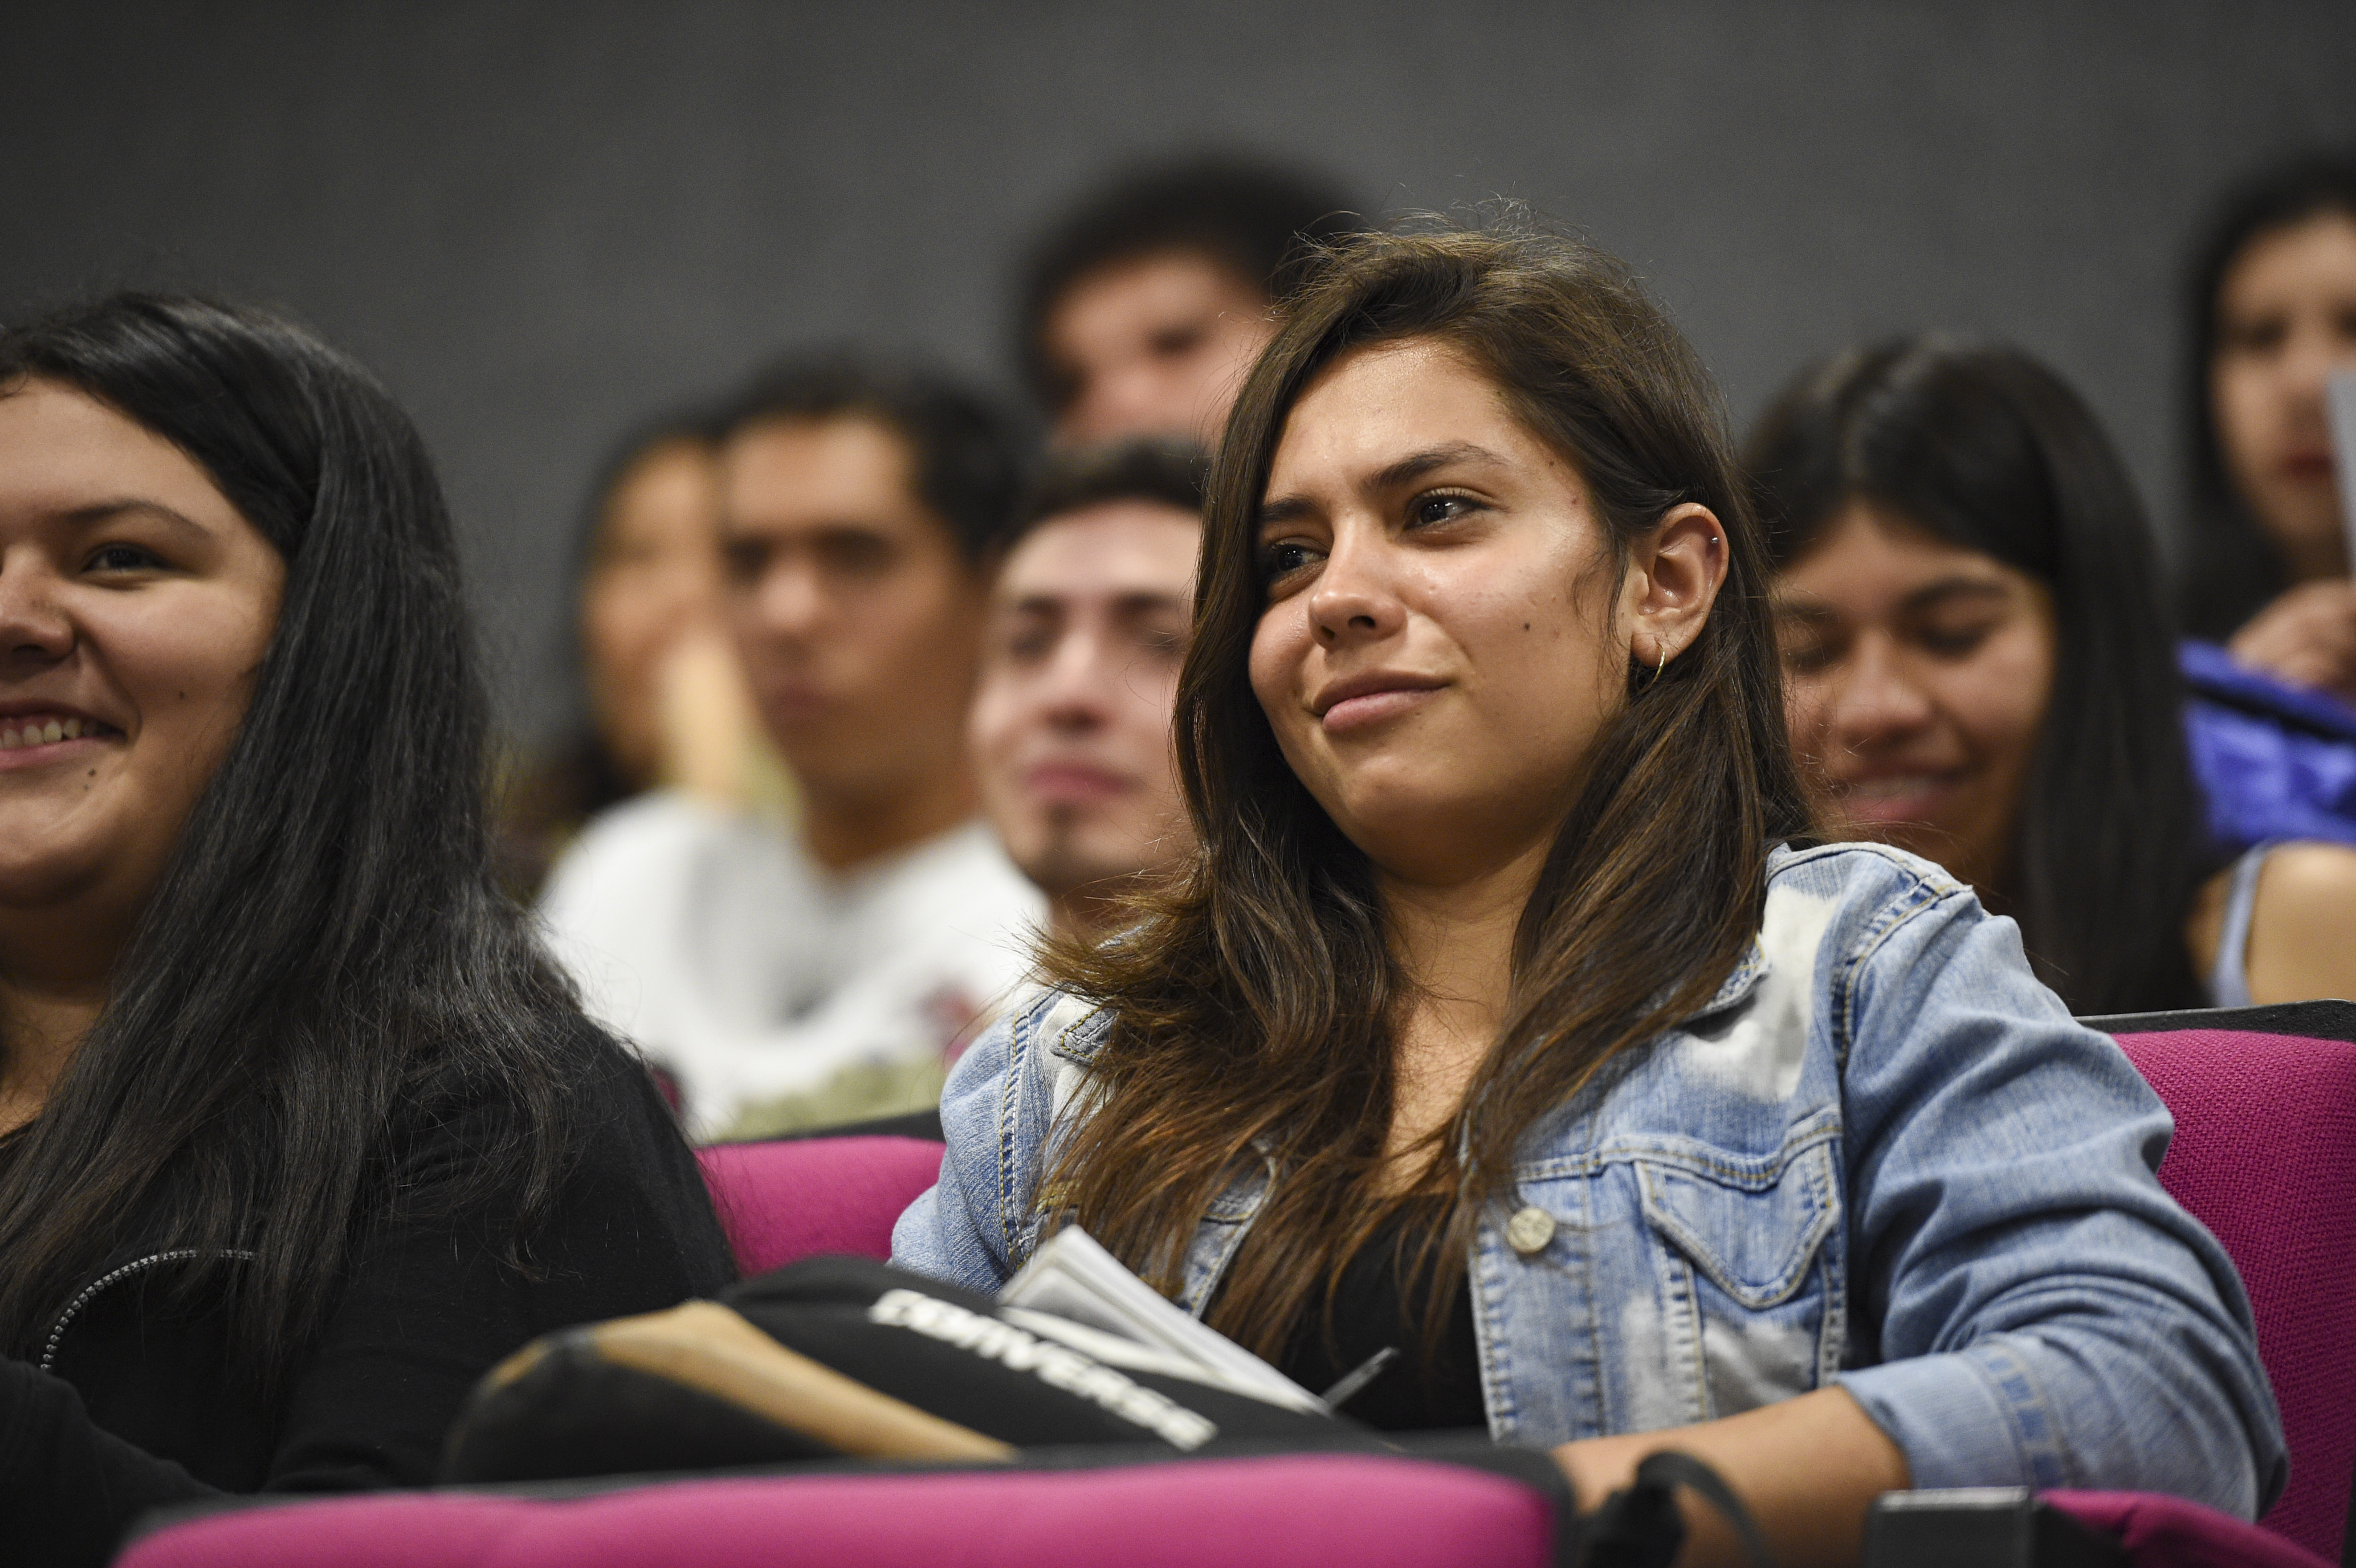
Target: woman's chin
x=53 y=852
x=1438 y=843
x=37 y=887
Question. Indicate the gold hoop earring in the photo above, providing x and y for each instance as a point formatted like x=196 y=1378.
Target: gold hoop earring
x=1662 y=668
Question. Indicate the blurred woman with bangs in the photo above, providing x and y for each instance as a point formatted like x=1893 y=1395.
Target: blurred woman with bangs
x=1979 y=668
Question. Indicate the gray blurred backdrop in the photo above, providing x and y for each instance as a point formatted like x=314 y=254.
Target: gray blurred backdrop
x=540 y=221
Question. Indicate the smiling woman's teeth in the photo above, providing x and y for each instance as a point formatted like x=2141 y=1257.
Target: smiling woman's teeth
x=40 y=733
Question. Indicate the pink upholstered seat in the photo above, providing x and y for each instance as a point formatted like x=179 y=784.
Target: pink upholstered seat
x=2265 y=1132
x=1366 y=1512
x=2168 y=1532
x=803 y=1198
x=2265 y=1156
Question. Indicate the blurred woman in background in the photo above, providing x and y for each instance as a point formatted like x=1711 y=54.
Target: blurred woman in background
x=299 y=1130
x=662 y=701
x=1978 y=669
x=2272 y=313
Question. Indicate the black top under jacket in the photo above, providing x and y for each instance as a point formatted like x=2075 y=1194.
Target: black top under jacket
x=1380 y=1305
x=131 y=1403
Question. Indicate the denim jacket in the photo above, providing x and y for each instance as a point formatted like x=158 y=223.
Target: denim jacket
x=1882 y=1156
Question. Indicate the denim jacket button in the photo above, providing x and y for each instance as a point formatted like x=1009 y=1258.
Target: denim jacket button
x=1529 y=1229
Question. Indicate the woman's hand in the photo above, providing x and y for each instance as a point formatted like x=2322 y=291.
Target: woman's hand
x=708 y=721
x=2307 y=636
x=1807 y=1468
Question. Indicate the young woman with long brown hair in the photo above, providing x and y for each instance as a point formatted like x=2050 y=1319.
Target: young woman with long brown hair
x=1501 y=1019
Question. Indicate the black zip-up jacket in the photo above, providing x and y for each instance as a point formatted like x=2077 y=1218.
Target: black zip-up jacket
x=130 y=1403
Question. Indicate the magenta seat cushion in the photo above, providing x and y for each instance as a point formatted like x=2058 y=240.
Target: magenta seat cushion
x=2168 y=1532
x=2265 y=1157
x=1365 y=1510
x=805 y=1198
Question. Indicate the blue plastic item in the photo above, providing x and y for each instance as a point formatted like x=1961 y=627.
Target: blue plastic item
x=2275 y=760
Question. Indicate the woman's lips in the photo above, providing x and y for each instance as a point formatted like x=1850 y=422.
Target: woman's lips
x=1893 y=797
x=1373 y=708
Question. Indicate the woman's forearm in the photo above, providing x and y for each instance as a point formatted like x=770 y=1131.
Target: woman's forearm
x=1807 y=1468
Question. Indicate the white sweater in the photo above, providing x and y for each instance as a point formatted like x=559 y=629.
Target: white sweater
x=748 y=971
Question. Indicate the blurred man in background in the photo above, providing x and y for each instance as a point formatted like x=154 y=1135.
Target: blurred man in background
x=1087 y=627
x=861 y=512
x=1070 y=726
x=1143 y=305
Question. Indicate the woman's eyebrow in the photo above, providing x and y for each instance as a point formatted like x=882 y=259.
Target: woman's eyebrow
x=1392 y=475
x=1947 y=589
x=1415 y=465
x=1284 y=510
x=1786 y=605
x=105 y=511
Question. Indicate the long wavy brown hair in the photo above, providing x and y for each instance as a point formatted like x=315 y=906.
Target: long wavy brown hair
x=1254 y=1008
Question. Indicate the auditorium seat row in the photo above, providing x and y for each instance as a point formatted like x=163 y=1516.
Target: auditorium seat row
x=2264 y=1100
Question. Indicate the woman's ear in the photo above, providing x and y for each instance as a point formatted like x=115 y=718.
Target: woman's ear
x=1674 y=576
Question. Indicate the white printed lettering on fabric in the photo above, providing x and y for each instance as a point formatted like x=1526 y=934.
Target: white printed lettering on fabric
x=1057 y=1366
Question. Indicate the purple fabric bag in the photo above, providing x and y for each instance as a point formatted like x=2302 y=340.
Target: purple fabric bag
x=2275 y=760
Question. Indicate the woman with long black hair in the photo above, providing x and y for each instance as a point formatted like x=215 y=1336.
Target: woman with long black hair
x=2270 y=314
x=298 y=1130
x=1504 y=1017
x=1979 y=668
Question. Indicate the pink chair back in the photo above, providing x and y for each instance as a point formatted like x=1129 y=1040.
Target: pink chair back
x=2265 y=1156
x=1367 y=1510
x=2161 y=1531
x=798 y=1198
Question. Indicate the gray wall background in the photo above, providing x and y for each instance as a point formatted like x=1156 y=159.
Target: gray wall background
x=539 y=221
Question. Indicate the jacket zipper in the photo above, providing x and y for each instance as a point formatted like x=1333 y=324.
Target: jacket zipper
x=113 y=1277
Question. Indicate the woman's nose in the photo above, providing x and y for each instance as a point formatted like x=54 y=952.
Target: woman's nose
x=1354 y=598
x=1878 y=699
x=2314 y=353
x=34 y=626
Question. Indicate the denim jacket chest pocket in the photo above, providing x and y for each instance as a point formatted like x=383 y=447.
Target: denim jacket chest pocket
x=1677 y=1283
x=1750 y=1293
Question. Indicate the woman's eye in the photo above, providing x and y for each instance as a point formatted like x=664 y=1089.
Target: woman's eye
x=1807 y=658
x=1281 y=560
x=1437 y=508
x=122 y=558
x=1955 y=642
x=2260 y=336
